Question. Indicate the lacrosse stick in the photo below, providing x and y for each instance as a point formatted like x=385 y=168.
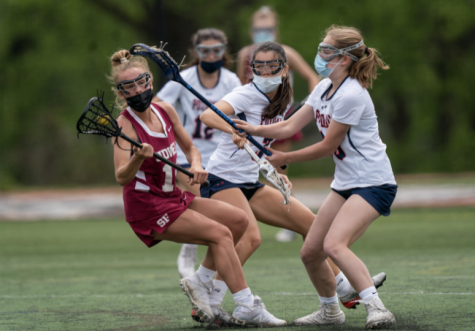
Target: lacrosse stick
x=97 y=119
x=269 y=172
x=171 y=70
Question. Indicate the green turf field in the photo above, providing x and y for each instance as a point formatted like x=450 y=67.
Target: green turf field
x=96 y=275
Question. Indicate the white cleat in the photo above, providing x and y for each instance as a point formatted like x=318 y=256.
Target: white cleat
x=326 y=314
x=186 y=260
x=198 y=293
x=285 y=236
x=378 y=316
x=352 y=298
x=256 y=315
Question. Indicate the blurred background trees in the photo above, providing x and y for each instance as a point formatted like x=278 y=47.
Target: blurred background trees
x=54 y=56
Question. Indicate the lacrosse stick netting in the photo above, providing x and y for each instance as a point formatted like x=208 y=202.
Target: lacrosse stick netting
x=269 y=172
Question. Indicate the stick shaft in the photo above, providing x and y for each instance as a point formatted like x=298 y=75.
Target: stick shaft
x=227 y=119
x=161 y=158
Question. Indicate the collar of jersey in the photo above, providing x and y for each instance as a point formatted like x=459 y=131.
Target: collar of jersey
x=261 y=92
x=329 y=88
x=199 y=79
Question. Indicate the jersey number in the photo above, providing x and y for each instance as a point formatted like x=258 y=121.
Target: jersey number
x=198 y=134
x=168 y=184
x=339 y=153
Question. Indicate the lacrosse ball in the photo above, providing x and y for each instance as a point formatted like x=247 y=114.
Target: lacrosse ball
x=103 y=120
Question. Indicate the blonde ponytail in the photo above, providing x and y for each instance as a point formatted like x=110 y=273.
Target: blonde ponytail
x=366 y=68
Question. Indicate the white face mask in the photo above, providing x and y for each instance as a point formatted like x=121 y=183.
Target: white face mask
x=267 y=85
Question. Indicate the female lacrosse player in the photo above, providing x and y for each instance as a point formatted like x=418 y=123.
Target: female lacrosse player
x=206 y=74
x=157 y=210
x=234 y=176
x=364 y=186
x=264 y=28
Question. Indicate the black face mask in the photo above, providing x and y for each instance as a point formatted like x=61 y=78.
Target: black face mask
x=140 y=102
x=211 y=67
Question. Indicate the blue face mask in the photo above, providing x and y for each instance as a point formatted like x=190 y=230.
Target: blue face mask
x=262 y=36
x=321 y=66
x=211 y=67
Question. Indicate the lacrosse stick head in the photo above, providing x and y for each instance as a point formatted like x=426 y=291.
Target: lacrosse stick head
x=268 y=171
x=170 y=68
x=97 y=119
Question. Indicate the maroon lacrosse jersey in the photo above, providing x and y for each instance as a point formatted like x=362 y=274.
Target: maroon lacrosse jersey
x=151 y=199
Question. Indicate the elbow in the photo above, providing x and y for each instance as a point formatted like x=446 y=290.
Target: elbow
x=329 y=150
x=204 y=118
x=121 y=181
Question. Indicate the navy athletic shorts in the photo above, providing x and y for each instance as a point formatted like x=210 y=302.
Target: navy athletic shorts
x=217 y=184
x=380 y=197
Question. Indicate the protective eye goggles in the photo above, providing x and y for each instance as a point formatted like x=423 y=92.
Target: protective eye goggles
x=263 y=30
x=328 y=52
x=204 y=51
x=273 y=67
x=129 y=86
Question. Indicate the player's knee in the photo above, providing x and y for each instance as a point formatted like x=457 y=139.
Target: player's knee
x=332 y=249
x=311 y=255
x=239 y=223
x=222 y=235
x=252 y=241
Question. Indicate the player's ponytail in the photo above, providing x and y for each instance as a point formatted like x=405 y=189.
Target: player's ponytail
x=366 y=68
x=283 y=97
x=121 y=61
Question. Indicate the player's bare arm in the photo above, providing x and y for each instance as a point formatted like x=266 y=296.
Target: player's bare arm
x=126 y=167
x=335 y=135
x=184 y=141
x=281 y=130
x=212 y=120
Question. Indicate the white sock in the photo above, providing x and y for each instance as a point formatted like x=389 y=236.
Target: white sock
x=190 y=245
x=205 y=274
x=342 y=285
x=369 y=293
x=244 y=296
x=219 y=291
x=331 y=301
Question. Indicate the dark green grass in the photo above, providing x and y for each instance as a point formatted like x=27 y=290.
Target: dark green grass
x=96 y=275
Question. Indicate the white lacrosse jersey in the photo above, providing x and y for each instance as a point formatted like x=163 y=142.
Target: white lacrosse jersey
x=228 y=161
x=361 y=159
x=189 y=108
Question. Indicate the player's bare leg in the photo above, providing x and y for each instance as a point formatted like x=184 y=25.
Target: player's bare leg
x=251 y=239
x=193 y=227
x=315 y=261
x=352 y=220
x=312 y=251
x=187 y=257
x=249 y=242
x=299 y=219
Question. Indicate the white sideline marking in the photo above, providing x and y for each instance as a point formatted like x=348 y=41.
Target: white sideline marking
x=138 y=295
